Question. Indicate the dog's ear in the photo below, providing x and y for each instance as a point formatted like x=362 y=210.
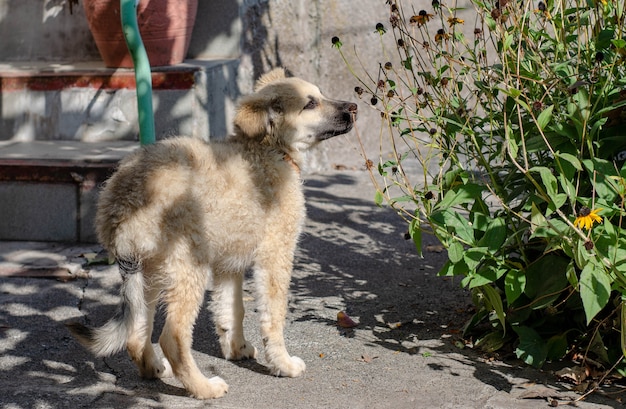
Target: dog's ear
x=251 y=119
x=256 y=116
x=272 y=76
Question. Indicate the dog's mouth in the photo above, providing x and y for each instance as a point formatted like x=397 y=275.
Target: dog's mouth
x=341 y=123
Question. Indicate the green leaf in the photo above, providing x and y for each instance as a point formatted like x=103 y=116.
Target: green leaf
x=453 y=221
x=453 y=269
x=595 y=290
x=495 y=235
x=557 y=347
x=491 y=342
x=378 y=198
x=573 y=160
x=486 y=275
x=545 y=117
x=473 y=256
x=545 y=279
x=455 y=252
x=548 y=179
x=512 y=92
x=512 y=146
x=514 y=284
x=532 y=349
x=602 y=178
x=461 y=195
x=494 y=302
x=508 y=40
x=570 y=272
x=597 y=347
x=416 y=235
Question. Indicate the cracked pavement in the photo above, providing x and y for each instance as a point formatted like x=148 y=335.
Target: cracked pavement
x=352 y=257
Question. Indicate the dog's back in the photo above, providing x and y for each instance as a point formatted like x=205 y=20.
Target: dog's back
x=216 y=197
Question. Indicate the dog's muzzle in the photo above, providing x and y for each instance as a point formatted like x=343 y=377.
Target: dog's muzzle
x=341 y=122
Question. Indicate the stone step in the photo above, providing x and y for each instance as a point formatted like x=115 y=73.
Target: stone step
x=49 y=189
x=64 y=128
x=91 y=103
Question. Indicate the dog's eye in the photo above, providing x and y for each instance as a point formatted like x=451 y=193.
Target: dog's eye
x=312 y=104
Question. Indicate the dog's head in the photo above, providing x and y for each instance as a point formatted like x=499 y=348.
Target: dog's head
x=291 y=113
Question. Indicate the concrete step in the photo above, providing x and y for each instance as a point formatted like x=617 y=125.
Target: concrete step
x=92 y=103
x=49 y=189
x=64 y=128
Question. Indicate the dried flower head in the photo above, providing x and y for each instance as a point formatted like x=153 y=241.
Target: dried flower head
x=441 y=35
x=422 y=18
x=452 y=21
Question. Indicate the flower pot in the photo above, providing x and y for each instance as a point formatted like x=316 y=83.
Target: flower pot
x=165 y=27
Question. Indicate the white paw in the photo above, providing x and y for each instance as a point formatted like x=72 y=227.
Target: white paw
x=211 y=389
x=292 y=368
x=166 y=371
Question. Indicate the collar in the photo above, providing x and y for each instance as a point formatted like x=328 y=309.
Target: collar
x=287 y=158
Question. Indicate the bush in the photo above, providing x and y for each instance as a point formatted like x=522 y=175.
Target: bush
x=506 y=140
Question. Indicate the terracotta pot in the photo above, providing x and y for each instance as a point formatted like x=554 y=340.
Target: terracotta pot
x=165 y=27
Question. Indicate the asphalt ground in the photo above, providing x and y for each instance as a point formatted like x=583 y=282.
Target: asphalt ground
x=406 y=352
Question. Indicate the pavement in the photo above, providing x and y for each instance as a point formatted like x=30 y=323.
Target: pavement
x=406 y=351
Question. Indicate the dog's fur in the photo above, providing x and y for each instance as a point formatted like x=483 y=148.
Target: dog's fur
x=181 y=209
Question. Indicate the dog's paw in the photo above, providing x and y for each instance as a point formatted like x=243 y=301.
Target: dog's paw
x=292 y=367
x=155 y=369
x=210 y=389
x=166 y=369
x=245 y=351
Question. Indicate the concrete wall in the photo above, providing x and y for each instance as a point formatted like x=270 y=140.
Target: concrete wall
x=261 y=34
x=297 y=34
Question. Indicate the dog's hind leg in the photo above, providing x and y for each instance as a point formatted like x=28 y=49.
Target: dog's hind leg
x=272 y=289
x=182 y=300
x=228 y=313
x=139 y=343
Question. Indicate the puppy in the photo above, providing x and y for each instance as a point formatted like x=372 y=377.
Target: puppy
x=181 y=211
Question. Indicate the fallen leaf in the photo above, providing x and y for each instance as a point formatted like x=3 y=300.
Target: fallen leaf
x=435 y=248
x=97 y=258
x=367 y=358
x=344 y=320
x=574 y=375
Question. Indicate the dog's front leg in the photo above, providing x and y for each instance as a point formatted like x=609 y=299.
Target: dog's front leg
x=272 y=288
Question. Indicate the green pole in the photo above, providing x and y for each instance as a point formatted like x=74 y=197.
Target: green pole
x=143 y=77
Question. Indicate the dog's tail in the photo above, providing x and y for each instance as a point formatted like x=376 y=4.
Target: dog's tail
x=112 y=336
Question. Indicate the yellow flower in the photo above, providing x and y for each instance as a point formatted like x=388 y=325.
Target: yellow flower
x=454 y=20
x=586 y=218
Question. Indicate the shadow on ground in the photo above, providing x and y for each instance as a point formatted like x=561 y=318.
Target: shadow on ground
x=352 y=257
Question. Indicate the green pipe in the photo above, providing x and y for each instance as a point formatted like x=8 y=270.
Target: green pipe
x=143 y=76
